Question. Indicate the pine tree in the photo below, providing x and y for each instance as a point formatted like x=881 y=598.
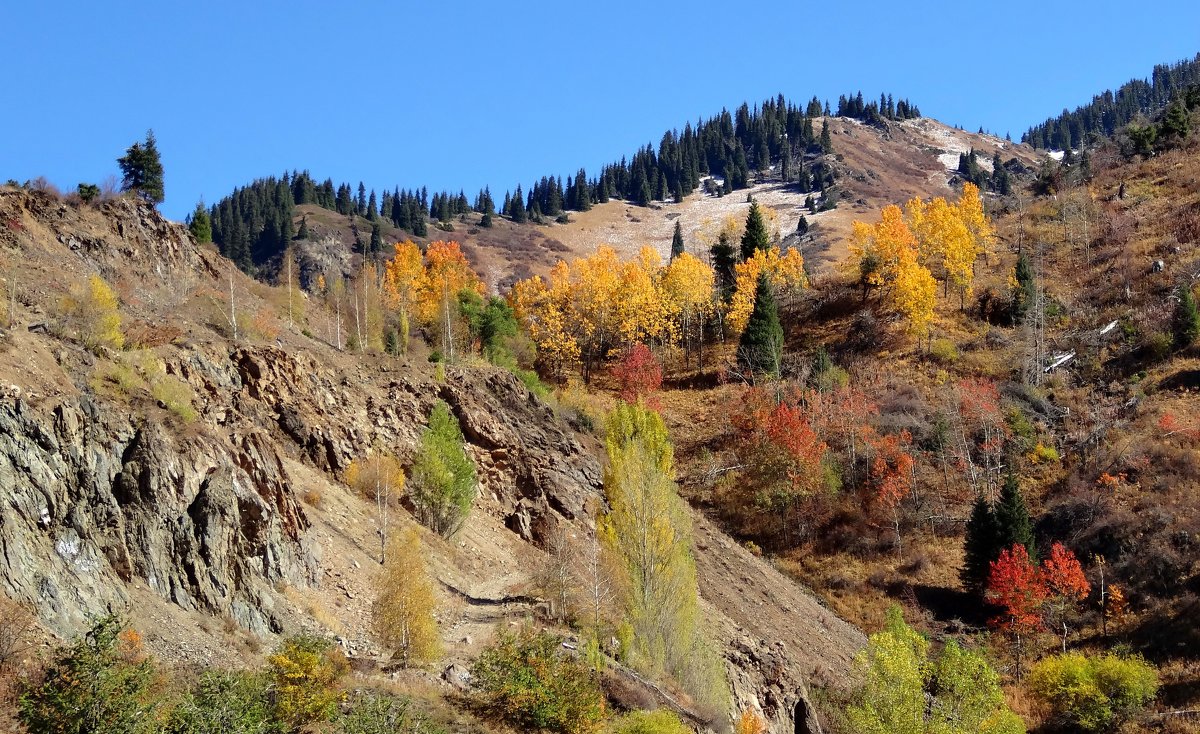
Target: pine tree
x=1012 y=518
x=802 y=225
x=826 y=140
x=761 y=344
x=980 y=547
x=1186 y=321
x=376 y=245
x=677 y=241
x=201 y=224
x=724 y=260
x=517 y=207
x=303 y=233
x=142 y=171
x=756 y=237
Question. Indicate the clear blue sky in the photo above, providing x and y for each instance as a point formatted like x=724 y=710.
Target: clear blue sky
x=462 y=94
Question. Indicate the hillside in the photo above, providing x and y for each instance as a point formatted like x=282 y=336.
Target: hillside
x=874 y=164
x=192 y=481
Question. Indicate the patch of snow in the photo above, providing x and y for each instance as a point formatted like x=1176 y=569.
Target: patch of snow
x=1055 y=154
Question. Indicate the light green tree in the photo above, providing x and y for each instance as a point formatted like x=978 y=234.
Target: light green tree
x=904 y=692
x=648 y=532
x=443 y=481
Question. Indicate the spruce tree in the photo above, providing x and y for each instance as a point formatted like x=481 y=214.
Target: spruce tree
x=755 y=237
x=723 y=261
x=761 y=344
x=201 y=224
x=303 y=233
x=826 y=140
x=980 y=547
x=376 y=245
x=517 y=207
x=802 y=225
x=677 y=241
x=1186 y=322
x=142 y=171
x=1023 y=294
x=1012 y=518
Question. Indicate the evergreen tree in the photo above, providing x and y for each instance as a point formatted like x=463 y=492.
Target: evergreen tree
x=1024 y=293
x=486 y=220
x=761 y=344
x=826 y=140
x=756 y=237
x=201 y=224
x=142 y=171
x=723 y=261
x=802 y=225
x=376 y=245
x=517 y=207
x=677 y=241
x=980 y=547
x=1186 y=321
x=303 y=233
x=1012 y=518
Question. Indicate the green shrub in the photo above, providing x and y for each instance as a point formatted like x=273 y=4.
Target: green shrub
x=660 y=721
x=375 y=712
x=1020 y=424
x=175 y=395
x=88 y=192
x=95 y=684
x=943 y=351
x=1093 y=693
x=304 y=671
x=1158 y=345
x=531 y=682
x=225 y=702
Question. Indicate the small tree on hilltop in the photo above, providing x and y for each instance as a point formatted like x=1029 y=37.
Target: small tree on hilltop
x=403 y=610
x=761 y=345
x=201 y=224
x=142 y=170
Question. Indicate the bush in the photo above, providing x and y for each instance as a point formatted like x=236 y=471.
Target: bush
x=88 y=192
x=943 y=351
x=529 y=681
x=1043 y=454
x=225 y=702
x=1157 y=346
x=443 y=477
x=660 y=721
x=1093 y=693
x=99 y=683
x=375 y=712
x=175 y=395
x=90 y=310
x=305 y=670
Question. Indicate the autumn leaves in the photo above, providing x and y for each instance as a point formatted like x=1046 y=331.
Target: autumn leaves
x=908 y=251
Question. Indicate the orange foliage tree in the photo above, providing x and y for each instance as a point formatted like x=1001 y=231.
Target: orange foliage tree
x=891 y=476
x=1066 y=586
x=638 y=375
x=1015 y=585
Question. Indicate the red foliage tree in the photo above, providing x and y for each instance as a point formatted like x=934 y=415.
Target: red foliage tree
x=1065 y=585
x=891 y=476
x=1015 y=585
x=639 y=375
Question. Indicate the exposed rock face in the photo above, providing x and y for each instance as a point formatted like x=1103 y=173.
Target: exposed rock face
x=94 y=499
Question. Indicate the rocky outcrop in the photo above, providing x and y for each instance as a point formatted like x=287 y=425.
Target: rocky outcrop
x=94 y=499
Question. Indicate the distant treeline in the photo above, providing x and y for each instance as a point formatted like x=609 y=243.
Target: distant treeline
x=255 y=223
x=1109 y=112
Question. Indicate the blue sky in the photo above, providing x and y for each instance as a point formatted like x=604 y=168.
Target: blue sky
x=452 y=95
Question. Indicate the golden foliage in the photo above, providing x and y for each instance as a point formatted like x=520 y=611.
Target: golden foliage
x=786 y=273
x=402 y=613
x=91 y=310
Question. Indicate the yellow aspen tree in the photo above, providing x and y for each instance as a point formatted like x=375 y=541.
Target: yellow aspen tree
x=446 y=273
x=91 y=309
x=690 y=286
x=593 y=308
x=402 y=613
x=539 y=308
x=913 y=292
x=643 y=313
x=401 y=277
